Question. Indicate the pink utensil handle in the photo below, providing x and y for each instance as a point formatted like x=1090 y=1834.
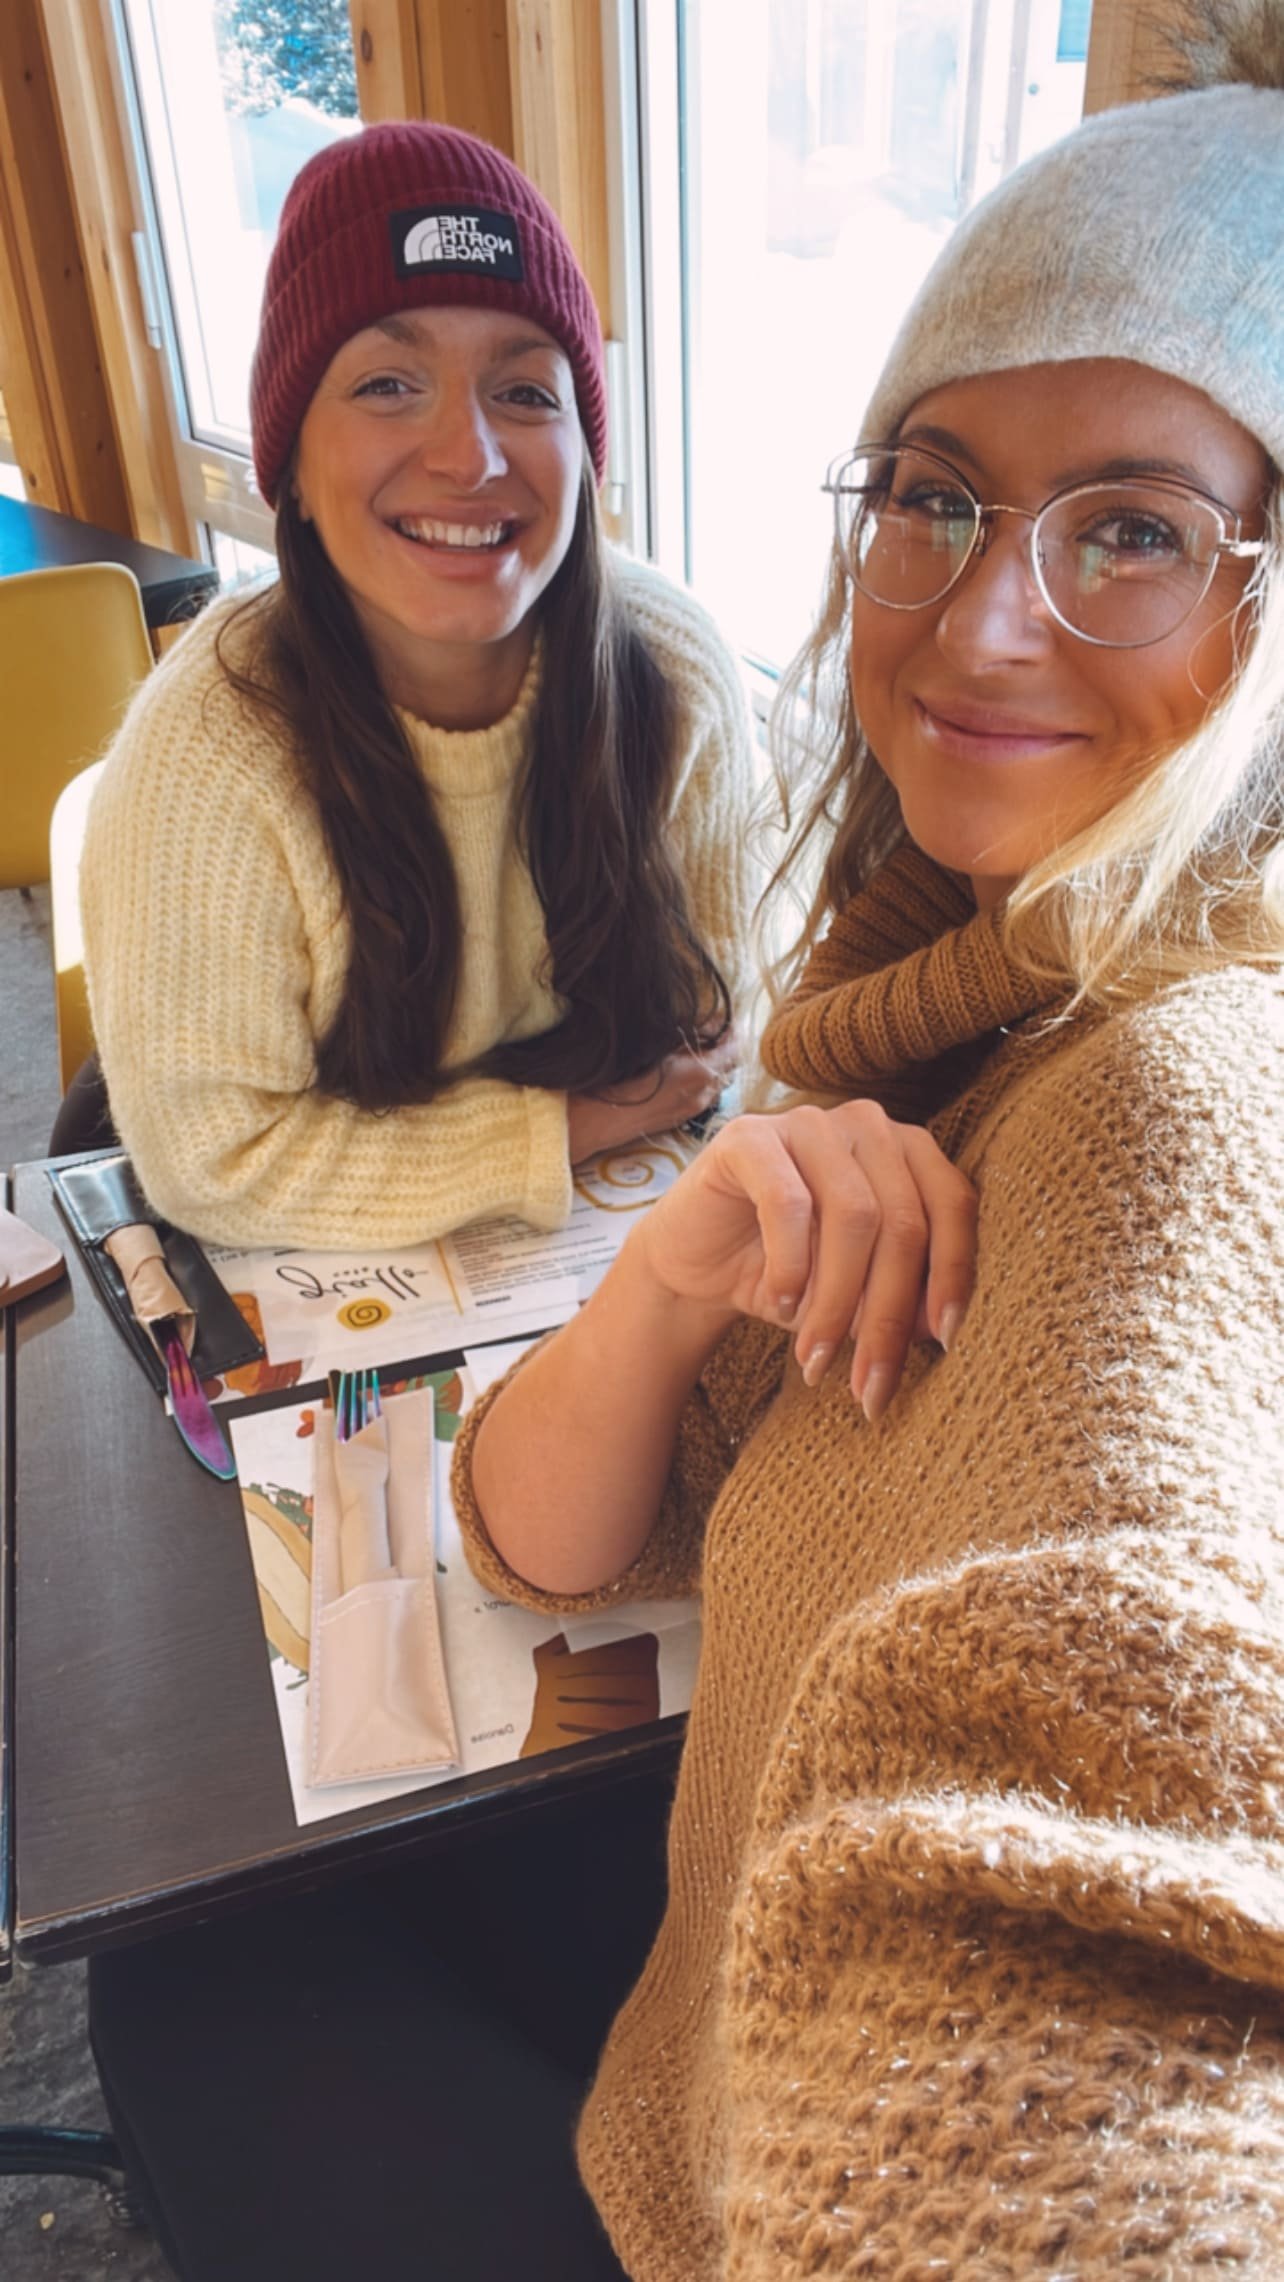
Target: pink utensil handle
x=193 y=1417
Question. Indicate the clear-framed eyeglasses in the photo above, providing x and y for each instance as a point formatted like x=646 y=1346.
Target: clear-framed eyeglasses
x=1119 y=563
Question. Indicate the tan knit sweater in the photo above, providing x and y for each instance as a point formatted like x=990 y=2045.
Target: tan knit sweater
x=973 y=1965
x=217 y=946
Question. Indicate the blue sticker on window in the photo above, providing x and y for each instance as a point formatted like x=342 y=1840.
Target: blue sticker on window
x=464 y=240
x=1073 y=25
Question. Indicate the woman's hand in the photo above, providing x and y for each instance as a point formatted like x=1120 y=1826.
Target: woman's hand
x=828 y=1220
x=833 y=1221
x=685 y=1083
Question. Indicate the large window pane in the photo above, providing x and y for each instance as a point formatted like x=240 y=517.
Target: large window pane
x=237 y=563
x=233 y=96
x=829 y=147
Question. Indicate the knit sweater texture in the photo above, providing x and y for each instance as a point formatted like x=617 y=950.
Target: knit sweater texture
x=217 y=946
x=973 y=1961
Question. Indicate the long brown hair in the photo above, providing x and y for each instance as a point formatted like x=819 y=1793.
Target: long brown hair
x=592 y=811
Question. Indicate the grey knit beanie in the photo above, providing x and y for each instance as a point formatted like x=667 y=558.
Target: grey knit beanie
x=1154 y=232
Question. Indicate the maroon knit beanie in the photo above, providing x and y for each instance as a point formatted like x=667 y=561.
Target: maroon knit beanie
x=397 y=217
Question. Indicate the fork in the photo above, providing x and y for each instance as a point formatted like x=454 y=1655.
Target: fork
x=362 y=1473
x=357 y=1402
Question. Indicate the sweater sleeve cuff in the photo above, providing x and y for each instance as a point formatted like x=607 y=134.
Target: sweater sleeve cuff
x=487 y=1564
x=548 y=1168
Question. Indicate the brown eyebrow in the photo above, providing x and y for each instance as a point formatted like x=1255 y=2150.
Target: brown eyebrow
x=397 y=329
x=409 y=334
x=1176 y=471
x=938 y=440
x=1108 y=471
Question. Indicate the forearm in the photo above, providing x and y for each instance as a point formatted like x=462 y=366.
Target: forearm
x=244 y=1166
x=571 y=1462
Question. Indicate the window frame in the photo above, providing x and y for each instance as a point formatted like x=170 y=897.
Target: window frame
x=648 y=183
x=487 y=68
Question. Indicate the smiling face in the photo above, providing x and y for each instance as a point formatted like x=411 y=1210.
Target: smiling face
x=440 y=463
x=1003 y=733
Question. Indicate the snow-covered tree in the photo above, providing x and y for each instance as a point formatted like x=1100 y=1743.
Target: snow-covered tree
x=274 y=49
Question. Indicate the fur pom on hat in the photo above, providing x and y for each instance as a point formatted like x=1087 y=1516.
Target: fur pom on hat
x=1226 y=43
x=1153 y=233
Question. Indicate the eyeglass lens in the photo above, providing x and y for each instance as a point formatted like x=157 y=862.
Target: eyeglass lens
x=1121 y=563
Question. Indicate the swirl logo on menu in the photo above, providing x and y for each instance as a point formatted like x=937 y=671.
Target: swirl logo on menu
x=641 y=1173
x=364 y=1314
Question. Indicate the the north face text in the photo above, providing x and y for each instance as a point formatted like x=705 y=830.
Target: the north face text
x=460 y=238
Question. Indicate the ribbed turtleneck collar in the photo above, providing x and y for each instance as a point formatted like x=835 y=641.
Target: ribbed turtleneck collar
x=908 y=982
x=459 y=762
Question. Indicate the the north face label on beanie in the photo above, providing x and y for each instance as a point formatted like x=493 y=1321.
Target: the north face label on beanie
x=459 y=238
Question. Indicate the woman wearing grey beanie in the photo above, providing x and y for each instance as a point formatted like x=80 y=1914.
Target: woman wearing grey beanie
x=973 y=1961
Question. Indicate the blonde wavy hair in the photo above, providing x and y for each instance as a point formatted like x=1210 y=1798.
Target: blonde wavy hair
x=1184 y=872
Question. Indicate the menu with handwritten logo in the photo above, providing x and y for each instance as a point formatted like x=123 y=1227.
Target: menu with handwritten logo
x=322 y=1311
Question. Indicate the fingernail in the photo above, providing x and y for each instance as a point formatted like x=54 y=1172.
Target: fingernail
x=817 y=1363
x=951 y=1317
x=878 y=1391
x=786 y=1305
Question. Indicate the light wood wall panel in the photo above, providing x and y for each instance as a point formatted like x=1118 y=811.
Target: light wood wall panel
x=1127 y=51
x=59 y=410
x=435 y=59
x=28 y=413
x=385 y=42
x=89 y=103
x=555 y=64
x=464 y=60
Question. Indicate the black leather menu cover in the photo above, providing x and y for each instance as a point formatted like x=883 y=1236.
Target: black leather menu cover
x=100 y=1195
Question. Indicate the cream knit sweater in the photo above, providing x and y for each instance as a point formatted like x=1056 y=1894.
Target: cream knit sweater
x=216 y=948
x=973 y=1964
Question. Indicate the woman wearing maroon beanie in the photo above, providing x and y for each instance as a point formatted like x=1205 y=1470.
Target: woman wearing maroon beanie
x=449 y=822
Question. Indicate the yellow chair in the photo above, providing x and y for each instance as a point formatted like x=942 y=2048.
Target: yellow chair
x=66 y=838
x=73 y=645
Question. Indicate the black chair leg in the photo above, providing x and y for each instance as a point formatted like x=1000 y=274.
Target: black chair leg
x=46 y=2150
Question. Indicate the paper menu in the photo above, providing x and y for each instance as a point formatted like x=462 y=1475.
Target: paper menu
x=610 y=1193
x=322 y=1311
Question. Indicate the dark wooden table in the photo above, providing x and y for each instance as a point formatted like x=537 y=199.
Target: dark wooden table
x=150 y=1781
x=35 y=538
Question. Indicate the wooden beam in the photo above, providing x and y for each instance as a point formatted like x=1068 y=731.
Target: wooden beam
x=464 y=66
x=84 y=69
x=1126 y=52
x=435 y=59
x=60 y=413
x=28 y=414
x=385 y=43
x=555 y=65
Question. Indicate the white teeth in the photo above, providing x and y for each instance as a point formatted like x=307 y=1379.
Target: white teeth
x=426 y=527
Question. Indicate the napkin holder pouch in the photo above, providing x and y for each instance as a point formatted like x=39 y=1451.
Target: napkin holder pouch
x=378 y=1702
x=100 y=1195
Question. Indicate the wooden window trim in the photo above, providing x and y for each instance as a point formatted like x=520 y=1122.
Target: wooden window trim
x=1126 y=49
x=91 y=108
x=59 y=409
